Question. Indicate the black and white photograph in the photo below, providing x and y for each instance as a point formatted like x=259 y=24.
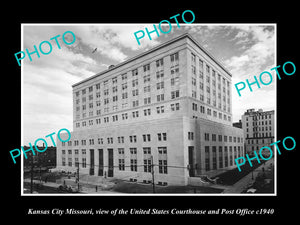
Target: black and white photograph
x=162 y=117
x=172 y=112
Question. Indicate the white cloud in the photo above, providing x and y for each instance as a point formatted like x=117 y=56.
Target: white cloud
x=259 y=98
x=126 y=38
x=258 y=56
x=255 y=57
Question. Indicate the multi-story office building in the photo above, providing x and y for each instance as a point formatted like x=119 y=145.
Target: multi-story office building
x=169 y=107
x=258 y=127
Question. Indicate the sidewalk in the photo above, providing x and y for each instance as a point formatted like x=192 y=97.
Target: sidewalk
x=247 y=181
x=49 y=184
x=85 y=188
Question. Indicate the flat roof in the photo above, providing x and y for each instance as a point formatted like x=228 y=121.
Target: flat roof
x=185 y=35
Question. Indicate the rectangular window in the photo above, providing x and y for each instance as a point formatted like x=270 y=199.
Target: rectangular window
x=121 y=159
x=69 y=161
x=191 y=136
x=146 y=67
x=147 y=100
x=160 y=85
x=220 y=157
x=226 y=156
x=174 y=94
x=147 y=160
x=133 y=159
x=160 y=97
x=124 y=76
x=230 y=156
x=83 y=162
x=206 y=136
x=124 y=86
x=135 y=92
x=175 y=107
x=207 y=158
x=162 y=160
x=134 y=72
x=213 y=137
x=132 y=138
x=121 y=139
x=124 y=95
x=147 y=78
x=160 y=109
x=214 y=155
x=100 y=141
x=135 y=114
x=124 y=116
x=135 y=103
x=174 y=58
x=147 y=112
x=220 y=137
x=63 y=161
x=162 y=136
x=146 y=137
x=194 y=107
x=135 y=82
x=159 y=62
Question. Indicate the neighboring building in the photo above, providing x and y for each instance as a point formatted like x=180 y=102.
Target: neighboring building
x=258 y=129
x=170 y=104
x=46 y=159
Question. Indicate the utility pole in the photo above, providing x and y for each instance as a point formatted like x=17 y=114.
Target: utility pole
x=152 y=171
x=78 y=175
x=31 y=175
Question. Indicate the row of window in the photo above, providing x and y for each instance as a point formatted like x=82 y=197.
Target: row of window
x=159 y=110
x=260 y=128
x=147 y=159
x=258 y=135
x=135 y=103
x=258 y=141
x=147 y=100
x=260 y=117
x=209 y=112
x=135 y=72
x=223 y=153
x=225 y=138
x=115 y=97
x=213 y=101
x=259 y=123
x=83 y=162
x=120 y=139
x=125 y=116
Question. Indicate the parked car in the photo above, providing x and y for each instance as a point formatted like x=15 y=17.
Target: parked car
x=251 y=190
x=67 y=188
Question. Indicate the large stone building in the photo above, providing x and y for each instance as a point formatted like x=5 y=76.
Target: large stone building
x=170 y=105
x=258 y=127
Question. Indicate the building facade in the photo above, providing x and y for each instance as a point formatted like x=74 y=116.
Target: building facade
x=258 y=127
x=165 y=113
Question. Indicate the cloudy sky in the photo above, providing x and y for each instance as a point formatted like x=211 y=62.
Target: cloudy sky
x=245 y=50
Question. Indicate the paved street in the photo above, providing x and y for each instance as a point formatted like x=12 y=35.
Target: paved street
x=247 y=181
x=110 y=187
